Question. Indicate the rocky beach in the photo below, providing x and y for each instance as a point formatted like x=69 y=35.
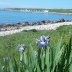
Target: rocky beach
x=8 y=29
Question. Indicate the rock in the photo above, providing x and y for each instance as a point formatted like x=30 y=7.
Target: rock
x=61 y=20
x=34 y=23
x=40 y=23
x=27 y=23
x=45 y=21
x=18 y=23
x=1 y=26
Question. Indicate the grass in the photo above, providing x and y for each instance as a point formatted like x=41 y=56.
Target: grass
x=60 y=39
x=61 y=10
x=27 y=37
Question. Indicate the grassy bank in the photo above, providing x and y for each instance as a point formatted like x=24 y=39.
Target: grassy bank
x=61 y=10
x=8 y=44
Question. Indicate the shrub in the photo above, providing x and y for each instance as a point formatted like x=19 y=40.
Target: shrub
x=33 y=30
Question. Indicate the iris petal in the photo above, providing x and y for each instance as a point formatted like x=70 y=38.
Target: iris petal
x=43 y=42
x=21 y=47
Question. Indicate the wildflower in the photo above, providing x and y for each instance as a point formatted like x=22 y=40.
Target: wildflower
x=43 y=42
x=21 y=47
x=42 y=38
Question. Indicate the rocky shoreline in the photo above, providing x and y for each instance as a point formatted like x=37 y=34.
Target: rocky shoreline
x=46 y=26
x=8 y=27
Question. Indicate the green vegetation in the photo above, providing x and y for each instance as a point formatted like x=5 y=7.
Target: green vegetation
x=26 y=9
x=61 y=10
x=41 y=10
x=58 y=55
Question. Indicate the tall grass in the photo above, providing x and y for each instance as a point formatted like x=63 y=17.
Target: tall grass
x=57 y=57
x=51 y=59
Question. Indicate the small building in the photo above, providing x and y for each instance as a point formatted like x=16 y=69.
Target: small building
x=46 y=11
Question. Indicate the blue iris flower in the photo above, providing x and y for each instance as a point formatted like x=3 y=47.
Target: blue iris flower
x=43 y=41
x=21 y=48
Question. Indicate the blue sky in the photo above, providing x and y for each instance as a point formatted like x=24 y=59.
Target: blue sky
x=36 y=3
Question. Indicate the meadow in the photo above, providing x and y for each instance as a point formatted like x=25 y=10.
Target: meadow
x=57 y=57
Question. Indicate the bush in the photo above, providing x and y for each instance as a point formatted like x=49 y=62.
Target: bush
x=33 y=30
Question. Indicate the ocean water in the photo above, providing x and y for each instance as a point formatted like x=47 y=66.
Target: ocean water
x=10 y=17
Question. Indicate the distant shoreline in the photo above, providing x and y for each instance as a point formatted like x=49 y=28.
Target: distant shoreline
x=61 y=13
x=24 y=11
x=39 y=12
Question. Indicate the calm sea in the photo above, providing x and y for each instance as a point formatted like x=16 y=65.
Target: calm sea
x=15 y=17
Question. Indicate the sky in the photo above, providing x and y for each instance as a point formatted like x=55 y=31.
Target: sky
x=62 y=4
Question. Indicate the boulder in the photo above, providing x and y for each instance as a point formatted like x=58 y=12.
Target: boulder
x=45 y=21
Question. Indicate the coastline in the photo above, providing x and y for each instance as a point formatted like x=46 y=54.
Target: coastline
x=48 y=26
x=24 y=11
x=39 y=12
x=8 y=27
x=61 y=13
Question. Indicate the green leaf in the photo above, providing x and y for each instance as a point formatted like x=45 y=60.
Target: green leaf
x=11 y=66
x=48 y=60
